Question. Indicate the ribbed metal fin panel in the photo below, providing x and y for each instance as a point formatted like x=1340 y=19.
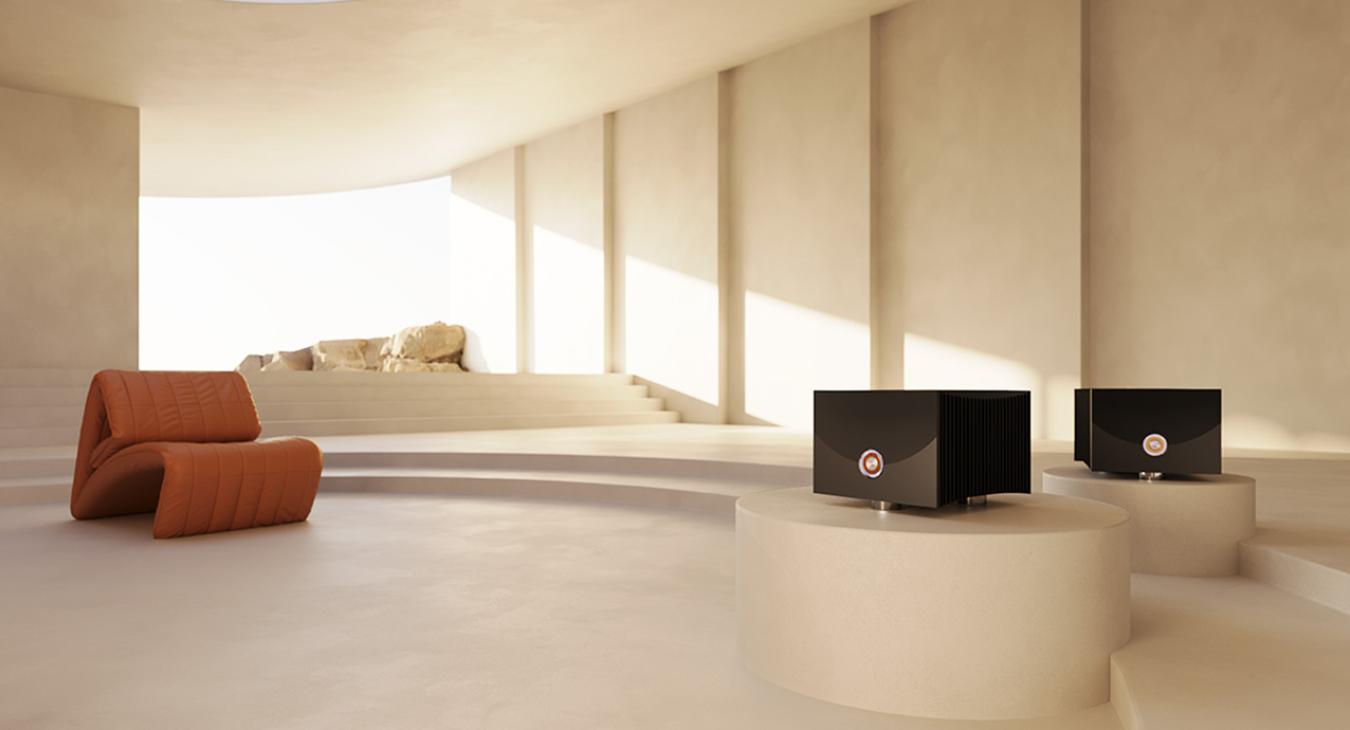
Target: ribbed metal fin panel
x=1082 y=425
x=984 y=444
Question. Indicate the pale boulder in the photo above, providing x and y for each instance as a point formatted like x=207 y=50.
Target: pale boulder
x=431 y=343
x=252 y=363
x=340 y=355
x=375 y=349
x=293 y=360
x=406 y=365
x=401 y=365
x=432 y=348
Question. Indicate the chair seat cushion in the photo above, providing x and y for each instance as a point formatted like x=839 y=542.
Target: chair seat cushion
x=195 y=488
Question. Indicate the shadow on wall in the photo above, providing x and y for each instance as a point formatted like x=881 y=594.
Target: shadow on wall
x=932 y=364
x=567 y=293
x=671 y=344
x=475 y=360
x=671 y=325
x=691 y=409
x=569 y=304
x=671 y=336
x=792 y=350
x=481 y=282
x=1249 y=431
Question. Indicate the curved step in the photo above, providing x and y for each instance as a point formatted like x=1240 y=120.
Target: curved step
x=468 y=423
x=341 y=410
x=1278 y=559
x=441 y=392
x=37 y=461
x=368 y=378
x=697 y=484
x=774 y=475
x=29 y=490
x=704 y=495
x=1229 y=653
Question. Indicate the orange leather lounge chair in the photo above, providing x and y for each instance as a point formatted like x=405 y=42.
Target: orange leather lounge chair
x=183 y=445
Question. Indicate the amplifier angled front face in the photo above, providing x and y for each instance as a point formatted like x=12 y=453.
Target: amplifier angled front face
x=922 y=448
x=1149 y=430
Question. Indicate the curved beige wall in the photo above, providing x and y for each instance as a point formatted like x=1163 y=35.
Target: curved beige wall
x=69 y=184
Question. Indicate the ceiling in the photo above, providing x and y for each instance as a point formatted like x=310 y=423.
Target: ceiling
x=247 y=99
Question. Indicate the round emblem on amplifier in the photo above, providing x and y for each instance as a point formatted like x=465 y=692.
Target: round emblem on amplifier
x=1155 y=444
x=871 y=463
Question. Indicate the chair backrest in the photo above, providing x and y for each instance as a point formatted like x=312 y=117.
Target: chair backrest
x=127 y=407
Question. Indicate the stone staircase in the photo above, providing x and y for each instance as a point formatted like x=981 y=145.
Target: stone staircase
x=40 y=411
x=342 y=403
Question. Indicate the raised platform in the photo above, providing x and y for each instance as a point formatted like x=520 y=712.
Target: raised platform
x=1230 y=653
x=1303 y=505
x=937 y=613
x=685 y=466
x=1278 y=652
x=42 y=408
x=333 y=403
x=1189 y=526
x=40 y=412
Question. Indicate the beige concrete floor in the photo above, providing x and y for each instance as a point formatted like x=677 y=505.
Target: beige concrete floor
x=389 y=611
x=393 y=612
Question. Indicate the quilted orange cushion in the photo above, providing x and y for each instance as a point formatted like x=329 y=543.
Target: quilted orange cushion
x=183 y=446
x=163 y=406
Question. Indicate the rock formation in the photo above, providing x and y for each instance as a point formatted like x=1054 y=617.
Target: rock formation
x=290 y=360
x=432 y=343
x=431 y=348
x=252 y=363
x=405 y=365
x=340 y=355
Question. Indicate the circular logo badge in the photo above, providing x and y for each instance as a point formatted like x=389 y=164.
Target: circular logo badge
x=1155 y=444
x=871 y=463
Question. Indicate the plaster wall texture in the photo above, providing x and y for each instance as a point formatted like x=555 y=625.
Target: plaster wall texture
x=481 y=283
x=977 y=187
x=564 y=219
x=665 y=213
x=799 y=225
x=1218 y=229
x=988 y=194
x=69 y=182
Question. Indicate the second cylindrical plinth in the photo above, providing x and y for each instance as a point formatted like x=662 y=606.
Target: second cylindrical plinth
x=1187 y=526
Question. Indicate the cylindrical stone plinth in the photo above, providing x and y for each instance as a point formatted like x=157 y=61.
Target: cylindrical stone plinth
x=1007 y=610
x=1178 y=525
